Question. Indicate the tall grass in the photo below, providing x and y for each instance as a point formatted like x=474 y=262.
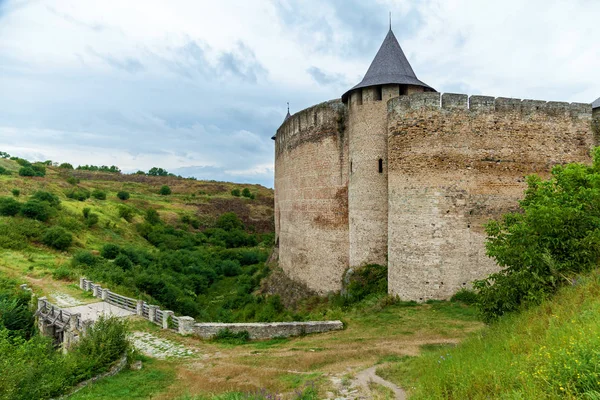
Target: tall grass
x=548 y=352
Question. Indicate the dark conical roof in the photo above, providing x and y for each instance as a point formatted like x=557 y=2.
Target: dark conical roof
x=596 y=103
x=389 y=66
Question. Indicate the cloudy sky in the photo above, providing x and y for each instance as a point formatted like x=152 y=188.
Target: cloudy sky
x=198 y=87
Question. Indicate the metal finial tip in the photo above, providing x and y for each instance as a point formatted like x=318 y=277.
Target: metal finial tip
x=390 y=20
x=288 y=104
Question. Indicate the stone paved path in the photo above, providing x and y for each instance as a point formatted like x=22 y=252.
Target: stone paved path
x=93 y=311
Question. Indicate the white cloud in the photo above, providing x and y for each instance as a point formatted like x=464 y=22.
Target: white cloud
x=200 y=87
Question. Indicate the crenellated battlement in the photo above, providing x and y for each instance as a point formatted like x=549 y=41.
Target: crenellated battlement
x=487 y=104
x=325 y=115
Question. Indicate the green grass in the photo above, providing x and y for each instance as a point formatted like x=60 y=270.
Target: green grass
x=547 y=352
x=153 y=378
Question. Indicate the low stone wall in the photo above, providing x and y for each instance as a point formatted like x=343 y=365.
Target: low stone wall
x=267 y=330
x=188 y=326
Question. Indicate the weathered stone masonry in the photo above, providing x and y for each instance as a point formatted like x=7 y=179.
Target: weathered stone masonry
x=398 y=174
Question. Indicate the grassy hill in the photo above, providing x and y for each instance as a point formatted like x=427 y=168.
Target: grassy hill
x=151 y=235
x=550 y=351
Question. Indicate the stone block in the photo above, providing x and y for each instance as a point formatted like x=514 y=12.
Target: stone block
x=505 y=104
x=454 y=101
x=482 y=103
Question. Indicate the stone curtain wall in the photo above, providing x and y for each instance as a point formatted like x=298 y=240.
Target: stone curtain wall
x=311 y=196
x=267 y=330
x=456 y=162
x=205 y=330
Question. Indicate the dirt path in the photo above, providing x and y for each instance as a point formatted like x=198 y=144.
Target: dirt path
x=368 y=375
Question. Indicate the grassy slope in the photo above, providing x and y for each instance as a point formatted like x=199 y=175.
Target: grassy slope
x=548 y=352
x=374 y=334
x=202 y=200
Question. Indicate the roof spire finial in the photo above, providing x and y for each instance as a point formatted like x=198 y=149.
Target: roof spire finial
x=390 y=20
x=288 y=103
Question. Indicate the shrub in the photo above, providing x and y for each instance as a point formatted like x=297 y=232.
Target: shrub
x=123 y=261
x=48 y=197
x=57 y=237
x=4 y=171
x=38 y=210
x=152 y=216
x=86 y=212
x=164 y=190
x=16 y=192
x=228 y=336
x=65 y=166
x=126 y=213
x=39 y=169
x=4 y=154
x=366 y=280
x=246 y=193
x=230 y=268
x=73 y=181
x=235 y=192
x=26 y=171
x=92 y=220
x=22 y=162
x=99 y=194
x=123 y=195
x=84 y=257
x=9 y=207
x=110 y=251
x=105 y=342
x=78 y=193
x=465 y=296
x=229 y=221
x=63 y=273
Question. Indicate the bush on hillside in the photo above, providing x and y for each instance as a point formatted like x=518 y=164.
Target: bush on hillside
x=16 y=192
x=78 y=193
x=123 y=261
x=22 y=162
x=105 y=342
x=236 y=192
x=247 y=193
x=557 y=235
x=126 y=213
x=84 y=257
x=110 y=251
x=65 y=166
x=26 y=171
x=4 y=171
x=58 y=238
x=229 y=221
x=63 y=273
x=123 y=195
x=99 y=194
x=92 y=220
x=4 y=154
x=152 y=217
x=164 y=190
x=36 y=209
x=48 y=197
x=73 y=180
x=9 y=207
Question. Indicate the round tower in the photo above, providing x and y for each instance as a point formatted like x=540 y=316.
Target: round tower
x=390 y=75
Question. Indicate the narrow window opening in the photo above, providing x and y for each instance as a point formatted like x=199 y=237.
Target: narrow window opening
x=378 y=93
x=403 y=90
x=380 y=166
x=315 y=118
x=351 y=166
x=359 y=97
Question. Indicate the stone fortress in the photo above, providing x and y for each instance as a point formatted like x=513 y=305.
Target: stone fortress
x=395 y=173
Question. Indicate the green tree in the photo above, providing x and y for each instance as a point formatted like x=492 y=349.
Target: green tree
x=38 y=210
x=556 y=236
x=164 y=190
x=26 y=171
x=236 y=192
x=123 y=195
x=65 y=166
x=154 y=171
